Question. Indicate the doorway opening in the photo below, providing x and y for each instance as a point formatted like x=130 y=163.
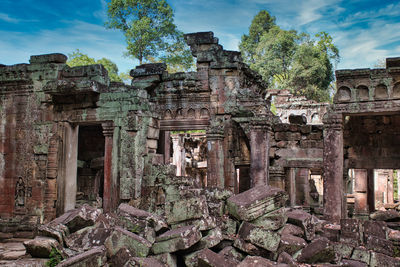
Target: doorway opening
x=90 y=165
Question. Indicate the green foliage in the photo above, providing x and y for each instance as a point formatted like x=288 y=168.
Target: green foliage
x=77 y=58
x=260 y=24
x=290 y=60
x=55 y=258
x=149 y=30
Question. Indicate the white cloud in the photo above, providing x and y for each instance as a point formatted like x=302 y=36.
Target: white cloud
x=7 y=18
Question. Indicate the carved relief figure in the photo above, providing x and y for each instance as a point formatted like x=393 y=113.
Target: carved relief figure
x=20 y=193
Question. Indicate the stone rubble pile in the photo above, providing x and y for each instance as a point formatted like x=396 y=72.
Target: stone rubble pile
x=213 y=227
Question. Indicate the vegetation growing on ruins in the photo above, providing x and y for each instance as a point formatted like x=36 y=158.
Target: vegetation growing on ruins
x=77 y=58
x=287 y=59
x=150 y=32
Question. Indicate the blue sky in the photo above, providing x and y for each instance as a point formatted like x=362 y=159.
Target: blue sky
x=364 y=31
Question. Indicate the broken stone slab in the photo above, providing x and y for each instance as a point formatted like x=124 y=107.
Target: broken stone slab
x=394 y=235
x=361 y=254
x=205 y=223
x=210 y=239
x=387 y=216
x=232 y=253
x=344 y=250
x=304 y=220
x=318 y=251
x=250 y=248
x=144 y=262
x=176 y=239
x=331 y=231
x=121 y=257
x=256 y=235
x=208 y=258
x=351 y=231
x=78 y=218
x=255 y=202
x=186 y=209
x=255 y=261
x=380 y=245
x=273 y=220
x=41 y=247
x=121 y=238
x=56 y=231
x=374 y=228
x=291 y=244
x=24 y=263
x=12 y=250
x=287 y=259
x=291 y=229
x=191 y=259
x=353 y=263
x=94 y=257
x=380 y=260
x=135 y=215
x=168 y=259
x=87 y=238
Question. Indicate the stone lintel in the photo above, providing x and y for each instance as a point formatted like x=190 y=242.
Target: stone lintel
x=48 y=58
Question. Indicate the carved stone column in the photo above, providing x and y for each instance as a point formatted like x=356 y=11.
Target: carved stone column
x=334 y=204
x=259 y=151
x=215 y=159
x=108 y=131
x=179 y=154
x=277 y=177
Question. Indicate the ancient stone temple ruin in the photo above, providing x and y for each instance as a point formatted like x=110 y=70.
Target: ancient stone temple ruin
x=202 y=151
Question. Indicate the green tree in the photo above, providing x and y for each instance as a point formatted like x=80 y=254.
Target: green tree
x=149 y=30
x=291 y=60
x=274 y=56
x=77 y=58
x=260 y=25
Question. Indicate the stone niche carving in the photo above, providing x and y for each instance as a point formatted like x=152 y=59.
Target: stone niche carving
x=381 y=92
x=344 y=94
x=396 y=90
x=362 y=93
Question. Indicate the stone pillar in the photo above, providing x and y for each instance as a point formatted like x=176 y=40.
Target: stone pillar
x=259 y=152
x=167 y=146
x=371 y=190
x=108 y=131
x=277 y=177
x=360 y=191
x=71 y=160
x=215 y=159
x=334 y=204
x=292 y=186
x=179 y=154
x=303 y=187
x=390 y=192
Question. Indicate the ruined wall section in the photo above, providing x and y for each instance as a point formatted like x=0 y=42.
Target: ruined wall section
x=294 y=146
x=28 y=189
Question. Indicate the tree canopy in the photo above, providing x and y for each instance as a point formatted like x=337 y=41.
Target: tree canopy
x=150 y=32
x=77 y=58
x=287 y=59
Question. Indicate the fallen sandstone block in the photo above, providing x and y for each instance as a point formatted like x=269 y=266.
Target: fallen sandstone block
x=186 y=209
x=291 y=244
x=176 y=239
x=304 y=220
x=318 y=251
x=250 y=248
x=208 y=258
x=361 y=254
x=380 y=260
x=272 y=220
x=121 y=238
x=255 y=261
x=231 y=253
x=255 y=202
x=266 y=239
x=287 y=259
x=87 y=238
x=41 y=247
x=291 y=229
x=137 y=216
x=78 y=218
x=94 y=257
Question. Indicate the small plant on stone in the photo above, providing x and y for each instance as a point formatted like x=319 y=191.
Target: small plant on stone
x=55 y=258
